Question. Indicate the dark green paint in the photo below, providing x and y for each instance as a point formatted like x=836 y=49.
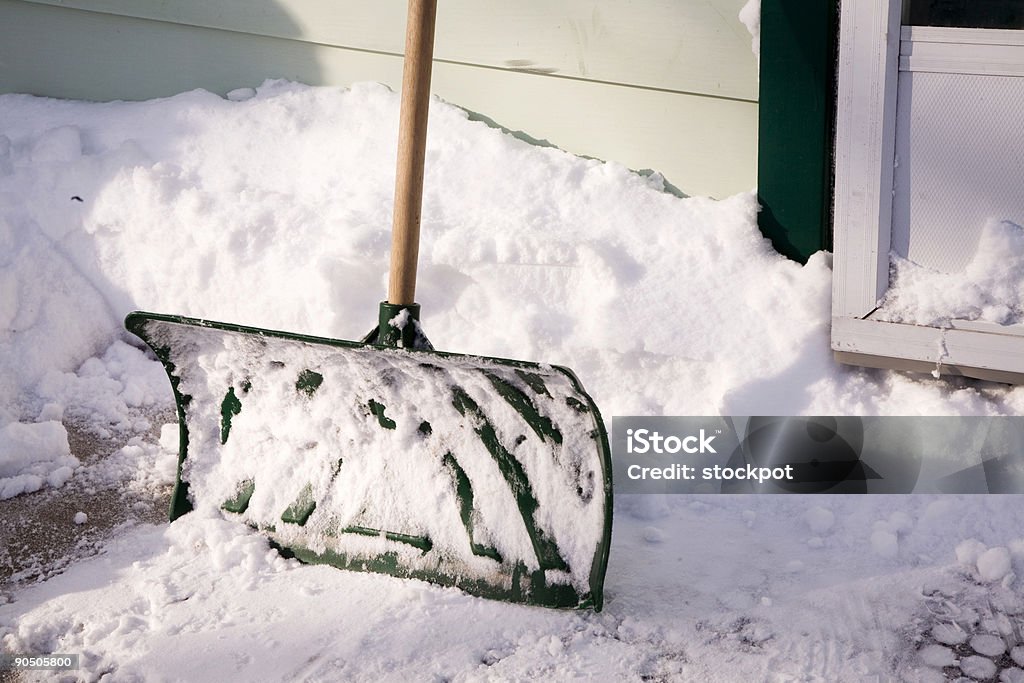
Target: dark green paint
x=308 y=382
x=796 y=118
x=300 y=510
x=522 y=404
x=576 y=404
x=410 y=336
x=422 y=543
x=229 y=407
x=180 y=503
x=377 y=409
x=534 y=381
x=523 y=586
x=239 y=503
x=464 y=492
x=512 y=470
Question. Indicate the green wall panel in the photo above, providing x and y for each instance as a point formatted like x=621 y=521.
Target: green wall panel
x=795 y=124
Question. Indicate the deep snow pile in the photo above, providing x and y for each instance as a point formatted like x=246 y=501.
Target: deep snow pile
x=274 y=211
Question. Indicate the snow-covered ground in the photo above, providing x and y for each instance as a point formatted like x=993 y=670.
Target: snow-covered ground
x=272 y=208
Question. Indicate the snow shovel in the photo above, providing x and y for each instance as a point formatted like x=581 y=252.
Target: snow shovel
x=383 y=455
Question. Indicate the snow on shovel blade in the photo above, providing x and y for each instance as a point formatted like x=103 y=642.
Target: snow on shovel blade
x=487 y=474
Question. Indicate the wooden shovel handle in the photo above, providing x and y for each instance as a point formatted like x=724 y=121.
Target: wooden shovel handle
x=412 y=138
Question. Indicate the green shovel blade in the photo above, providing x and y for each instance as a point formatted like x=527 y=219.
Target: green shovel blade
x=487 y=474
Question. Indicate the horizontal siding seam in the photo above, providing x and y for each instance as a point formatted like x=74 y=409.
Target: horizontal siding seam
x=386 y=53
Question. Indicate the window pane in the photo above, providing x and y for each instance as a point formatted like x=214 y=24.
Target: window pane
x=965 y=13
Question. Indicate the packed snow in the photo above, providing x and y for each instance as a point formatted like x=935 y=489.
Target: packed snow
x=272 y=208
x=990 y=288
x=34 y=455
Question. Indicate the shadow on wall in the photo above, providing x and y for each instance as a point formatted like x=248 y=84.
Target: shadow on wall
x=540 y=142
x=164 y=51
x=106 y=56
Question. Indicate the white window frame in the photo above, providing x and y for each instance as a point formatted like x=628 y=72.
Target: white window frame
x=869 y=60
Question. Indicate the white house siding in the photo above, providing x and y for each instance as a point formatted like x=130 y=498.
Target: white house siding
x=669 y=85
